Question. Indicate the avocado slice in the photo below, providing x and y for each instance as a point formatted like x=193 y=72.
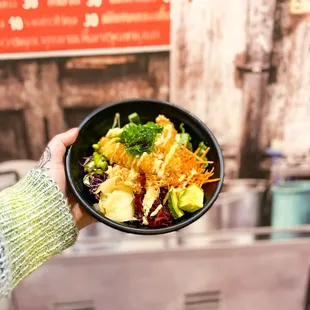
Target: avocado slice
x=192 y=199
x=179 y=191
x=173 y=205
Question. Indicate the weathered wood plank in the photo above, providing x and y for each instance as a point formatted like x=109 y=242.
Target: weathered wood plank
x=29 y=75
x=288 y=92
x=158 y=71
x=14 y=141
x=95 y=93
x=261 y=14
x=98 y=62
x=11 y=88
x=50 y=101
x=250 y=153
x=128 y=76
x=33 y=87
x=208 y=37
x=259 y=46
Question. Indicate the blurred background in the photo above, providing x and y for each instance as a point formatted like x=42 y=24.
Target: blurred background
x=243 y=67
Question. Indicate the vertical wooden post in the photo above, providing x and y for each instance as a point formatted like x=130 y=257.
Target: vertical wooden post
x=207 y=38
x=29 y=75
x=50 y=104
x=261 y=15
x=288 y=92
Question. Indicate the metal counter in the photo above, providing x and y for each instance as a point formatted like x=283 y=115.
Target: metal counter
x=159 y=274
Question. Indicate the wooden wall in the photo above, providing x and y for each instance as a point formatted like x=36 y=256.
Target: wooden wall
x=241 y=66
x=216 y=47
x=40 y=98
x=208 y=38
x=244 y=68
x=288 y=93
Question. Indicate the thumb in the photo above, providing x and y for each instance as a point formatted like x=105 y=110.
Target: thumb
x=68 y=137
x=60 y=142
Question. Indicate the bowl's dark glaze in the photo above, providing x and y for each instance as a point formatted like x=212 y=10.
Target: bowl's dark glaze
x=100 y=121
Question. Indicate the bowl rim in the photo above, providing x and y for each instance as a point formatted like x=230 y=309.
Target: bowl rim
x=140 y=230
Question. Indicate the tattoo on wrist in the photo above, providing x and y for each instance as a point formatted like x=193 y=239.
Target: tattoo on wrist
x=45 y=159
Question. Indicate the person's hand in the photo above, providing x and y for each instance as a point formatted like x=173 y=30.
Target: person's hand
x=53 y=161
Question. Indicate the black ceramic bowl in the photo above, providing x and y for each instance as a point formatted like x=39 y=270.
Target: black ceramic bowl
x=100 y=121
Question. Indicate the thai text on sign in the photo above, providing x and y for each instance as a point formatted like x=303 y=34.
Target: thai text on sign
x=37 y=26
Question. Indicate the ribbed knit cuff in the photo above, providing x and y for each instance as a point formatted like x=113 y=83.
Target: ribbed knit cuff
x=5 y=280
x=35 y=223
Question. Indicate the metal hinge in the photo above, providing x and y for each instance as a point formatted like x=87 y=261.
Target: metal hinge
x=208 y=300
x=254 y=68
x=77 y=305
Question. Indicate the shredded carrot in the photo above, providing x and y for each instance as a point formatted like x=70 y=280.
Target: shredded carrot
x=205 y=153
x=196 y=152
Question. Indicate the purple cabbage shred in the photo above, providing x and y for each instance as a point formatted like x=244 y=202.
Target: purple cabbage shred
x=86 y=160
x=95 y=181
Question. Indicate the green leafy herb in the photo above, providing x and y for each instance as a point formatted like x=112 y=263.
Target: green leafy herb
x=140 y=138
x=182 y=128
x=185 y=138
x=202 y=149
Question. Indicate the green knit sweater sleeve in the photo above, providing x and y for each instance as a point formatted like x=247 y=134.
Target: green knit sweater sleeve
x=35 y=224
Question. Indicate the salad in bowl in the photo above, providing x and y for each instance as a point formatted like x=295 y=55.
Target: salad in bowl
x=147 y=173
x=145 y=166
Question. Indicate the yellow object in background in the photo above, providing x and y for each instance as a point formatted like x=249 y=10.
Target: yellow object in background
x=300 y=6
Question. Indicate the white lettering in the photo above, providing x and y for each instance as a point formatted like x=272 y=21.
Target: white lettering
x=16 y=23
x=30 y=4
x=91 y=20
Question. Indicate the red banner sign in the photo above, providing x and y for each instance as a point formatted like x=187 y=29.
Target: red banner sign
x=49 y=26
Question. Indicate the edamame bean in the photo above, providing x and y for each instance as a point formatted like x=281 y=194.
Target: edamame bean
x=99 y=171
x=97 y=158
x=89 y=167
x=104 y=165
x=103 y=157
